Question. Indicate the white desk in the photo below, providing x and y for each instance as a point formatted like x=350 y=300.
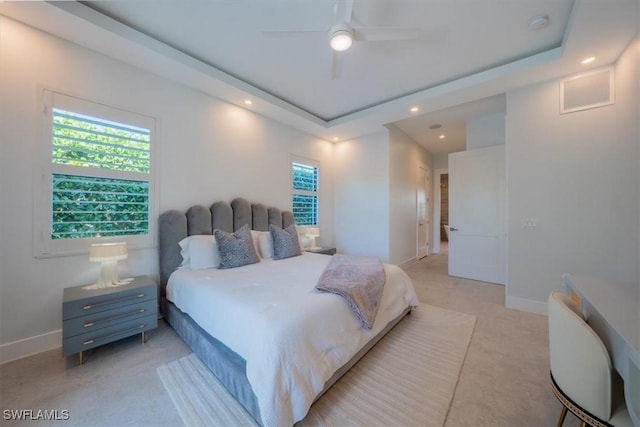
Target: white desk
x=612 y=309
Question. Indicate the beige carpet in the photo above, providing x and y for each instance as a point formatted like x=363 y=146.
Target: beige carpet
x=408 y=378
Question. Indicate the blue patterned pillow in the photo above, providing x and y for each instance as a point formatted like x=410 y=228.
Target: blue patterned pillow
x=285 y=242
x=236 y=249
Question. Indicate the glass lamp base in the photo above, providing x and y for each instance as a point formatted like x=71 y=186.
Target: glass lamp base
x=108 y=277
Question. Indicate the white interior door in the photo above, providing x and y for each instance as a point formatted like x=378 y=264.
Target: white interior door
x=422 y=194
x=477 y=215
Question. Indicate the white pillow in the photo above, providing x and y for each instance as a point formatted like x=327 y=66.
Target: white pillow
x=255 y=236
x=199 y=252
x=263 y=243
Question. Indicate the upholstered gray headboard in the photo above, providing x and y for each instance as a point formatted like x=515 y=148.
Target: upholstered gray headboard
x=175 y=226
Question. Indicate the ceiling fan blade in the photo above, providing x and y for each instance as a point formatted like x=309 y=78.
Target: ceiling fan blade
x=293 y=33
x=344 y=10
x=386 y=33
x=336 y=66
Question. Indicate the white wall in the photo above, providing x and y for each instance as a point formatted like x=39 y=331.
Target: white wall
x=486 y=131
x=209 y=151
x=361 y=196
x=375 y=195
x=577 y=175
x=440 y=161
x=405 y=156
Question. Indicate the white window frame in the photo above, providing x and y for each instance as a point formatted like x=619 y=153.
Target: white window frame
x=307 y=162
x=43 y=245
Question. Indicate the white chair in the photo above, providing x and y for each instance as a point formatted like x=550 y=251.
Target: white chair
x=581 y=376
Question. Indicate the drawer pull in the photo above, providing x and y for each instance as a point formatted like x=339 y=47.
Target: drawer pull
x=108 y=319
x=100 y=304
x=108 y=337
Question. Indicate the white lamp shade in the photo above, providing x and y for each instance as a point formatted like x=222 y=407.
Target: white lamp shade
x=108 y=254
x=102 y=252
x=312 y=231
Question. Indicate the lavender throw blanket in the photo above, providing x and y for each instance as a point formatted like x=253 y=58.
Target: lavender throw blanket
x=359 y=280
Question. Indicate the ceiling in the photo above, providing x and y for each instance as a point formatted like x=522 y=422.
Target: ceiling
x=467 y=54
x=445 y=131
x=229 y=35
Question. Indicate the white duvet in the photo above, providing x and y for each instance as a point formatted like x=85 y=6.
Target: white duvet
x=292 y=337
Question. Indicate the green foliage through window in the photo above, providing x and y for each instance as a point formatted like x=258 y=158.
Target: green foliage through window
x=304 y=177
x=86 y=206
x=98 y=207
x=305 y=209
x=305 y=188
x=80 y=140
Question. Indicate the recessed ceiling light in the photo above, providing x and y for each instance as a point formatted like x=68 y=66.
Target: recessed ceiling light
x=588 y=60
x=441 y=136
x=248 y=102
x=538 y=23
x=335 y=138
x=435 y=126
x=414 y=109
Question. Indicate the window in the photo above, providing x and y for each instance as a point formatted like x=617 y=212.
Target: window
x=304 y=195
x=97 y=180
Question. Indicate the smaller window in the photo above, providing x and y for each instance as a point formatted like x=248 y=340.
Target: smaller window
x=304 y=194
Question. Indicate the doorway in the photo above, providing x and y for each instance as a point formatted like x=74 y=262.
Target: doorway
x=423 y=205
x=441 y=210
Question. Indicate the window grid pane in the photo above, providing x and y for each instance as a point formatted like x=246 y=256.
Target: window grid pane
x=304 y=177
x=98 y=207
x=85 y=141
x=305 y=209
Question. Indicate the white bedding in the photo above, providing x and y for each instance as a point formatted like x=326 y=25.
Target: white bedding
x=292 y=337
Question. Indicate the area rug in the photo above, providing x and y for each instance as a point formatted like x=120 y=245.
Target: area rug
x=408 y=378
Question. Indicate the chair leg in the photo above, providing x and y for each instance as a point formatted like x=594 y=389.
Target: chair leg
x=563 y=414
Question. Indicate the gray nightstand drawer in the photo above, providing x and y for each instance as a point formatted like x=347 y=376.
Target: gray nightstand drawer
x=106 y=301
x=93 y=317
x=109 y=334
x=104 y=319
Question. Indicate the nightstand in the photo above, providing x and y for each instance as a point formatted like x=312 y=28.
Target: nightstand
x=91 y=318
x=321 y=250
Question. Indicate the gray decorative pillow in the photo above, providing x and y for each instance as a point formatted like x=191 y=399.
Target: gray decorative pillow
x=236 y=249
x=285 y=242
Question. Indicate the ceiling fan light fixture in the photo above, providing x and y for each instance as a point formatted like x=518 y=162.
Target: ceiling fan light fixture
x=341 y=37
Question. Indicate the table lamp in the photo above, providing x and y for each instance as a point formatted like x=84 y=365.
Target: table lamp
x=108 y=254
x=312 y=233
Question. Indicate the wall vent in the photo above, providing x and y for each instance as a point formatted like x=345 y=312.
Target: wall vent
x=589 y=90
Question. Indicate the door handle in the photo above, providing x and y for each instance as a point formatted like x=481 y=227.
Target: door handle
x=453 y=229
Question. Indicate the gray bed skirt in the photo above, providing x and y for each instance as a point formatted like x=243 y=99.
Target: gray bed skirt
x=226 y=365
x=230 y=368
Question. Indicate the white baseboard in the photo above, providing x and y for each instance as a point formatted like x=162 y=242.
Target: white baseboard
x=28 y=346
x=524 y=304
x=408 y=263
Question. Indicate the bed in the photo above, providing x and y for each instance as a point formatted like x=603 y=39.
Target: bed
x=271 y=339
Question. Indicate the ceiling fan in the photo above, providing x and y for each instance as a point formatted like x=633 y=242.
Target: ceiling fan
x=343 y=33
